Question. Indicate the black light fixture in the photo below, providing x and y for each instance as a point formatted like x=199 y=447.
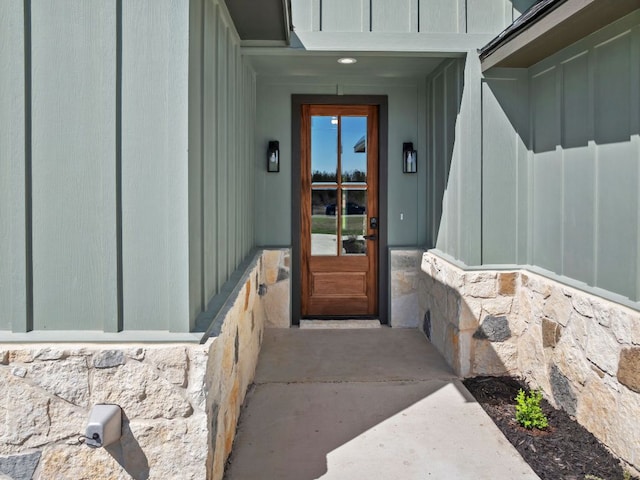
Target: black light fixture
x=409 y=158
x=273 y=156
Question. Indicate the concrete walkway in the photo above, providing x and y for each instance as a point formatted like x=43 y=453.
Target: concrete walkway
x=364 y=405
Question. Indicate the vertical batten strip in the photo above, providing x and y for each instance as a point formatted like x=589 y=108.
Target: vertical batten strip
x=201 y=127
x=634 y=101
x=27 y=323
x=108 y=325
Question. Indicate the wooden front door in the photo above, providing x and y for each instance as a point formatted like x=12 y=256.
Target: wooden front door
x=339 y=210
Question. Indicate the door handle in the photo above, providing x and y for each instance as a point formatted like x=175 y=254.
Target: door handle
x=370 y=237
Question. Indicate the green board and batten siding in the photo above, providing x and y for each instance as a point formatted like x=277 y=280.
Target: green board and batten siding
x=561 y=183
x=404 y=16
x=139 y=182
x=13 y=304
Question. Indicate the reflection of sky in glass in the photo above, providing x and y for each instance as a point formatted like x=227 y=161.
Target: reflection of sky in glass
x=324 y=146
x=324 y=141
x=353 y=129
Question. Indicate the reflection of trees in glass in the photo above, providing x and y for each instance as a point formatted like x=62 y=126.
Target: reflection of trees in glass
x=330 y=177
x=354 y=176
x=323 y=177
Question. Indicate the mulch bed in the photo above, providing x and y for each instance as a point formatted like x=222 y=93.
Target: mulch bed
x=565 y=450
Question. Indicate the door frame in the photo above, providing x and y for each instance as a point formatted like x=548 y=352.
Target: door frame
x=381 y=102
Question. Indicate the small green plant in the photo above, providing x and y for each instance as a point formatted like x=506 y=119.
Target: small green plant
x=625 y=476
x=528 y=411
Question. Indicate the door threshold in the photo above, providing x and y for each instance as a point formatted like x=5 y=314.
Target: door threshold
x=340 y=324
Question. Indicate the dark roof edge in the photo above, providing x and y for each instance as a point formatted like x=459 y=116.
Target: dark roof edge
x=527 y=19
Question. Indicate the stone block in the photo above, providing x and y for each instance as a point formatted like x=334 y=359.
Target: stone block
x=49 y=353
x=507 y=283
x=276 y=305
x=196 y=383
x=4 y=357
x=494 y=358
x=536 y=284
x=625 y=325
x=532 y=362
x=468 y=319
x=21 y=356
x=563 y=392
x=582 y=305
x=169 y=448
x=67 y=379
x=171 y=362
x=20 y=467
x=497 y=306
x=480 y=276
x=108 y=359
x=404 y=311
x=602 y=348
x=551 y=333
x=629 y=369
x=625 y=433
x=483 y=289
x=576 y=329
x=25 y=423
x=595 y=409
x=146 y=394
x=137 y=353
x=571 y=360
x=67 y=462
x=558 y=307
x=494 y=329
x=406 y=260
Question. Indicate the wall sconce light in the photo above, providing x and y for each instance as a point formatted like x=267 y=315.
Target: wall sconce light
x=409 y=158
x=273 y=156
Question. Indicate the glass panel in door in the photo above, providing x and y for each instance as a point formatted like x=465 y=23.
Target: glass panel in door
x=353 y=135
x=354 y=222
x=324 y=222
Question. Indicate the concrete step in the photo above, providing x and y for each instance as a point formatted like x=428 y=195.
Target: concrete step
x=346 y=324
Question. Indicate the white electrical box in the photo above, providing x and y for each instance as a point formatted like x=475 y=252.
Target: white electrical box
x=104 y=426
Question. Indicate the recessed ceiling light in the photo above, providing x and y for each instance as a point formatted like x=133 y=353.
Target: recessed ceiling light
x=347 y=60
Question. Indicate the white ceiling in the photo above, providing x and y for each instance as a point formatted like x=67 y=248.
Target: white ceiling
x=307 y=64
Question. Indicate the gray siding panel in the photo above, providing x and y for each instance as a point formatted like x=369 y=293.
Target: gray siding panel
x=447 y=172
x=499 y=174
x=12 y=168
x=155 y=165
x=547 y=173
x=222 y=154
x=196 y=134
x=425 y=16
x=210 y=152
x=617 y=169
x=586 y=163
x=578 y=160
x=345 y=16
x=440 y=165
x=396 y=16
x=74 y=235
x=488 y=16
x=439 y=16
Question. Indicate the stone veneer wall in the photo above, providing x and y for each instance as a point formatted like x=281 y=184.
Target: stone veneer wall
x=278 y=285
x=581 y=350
x=180 y=401
x=405 y=274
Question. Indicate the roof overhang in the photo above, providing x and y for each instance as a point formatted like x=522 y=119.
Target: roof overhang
x=548 y=27
x=262 y=21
